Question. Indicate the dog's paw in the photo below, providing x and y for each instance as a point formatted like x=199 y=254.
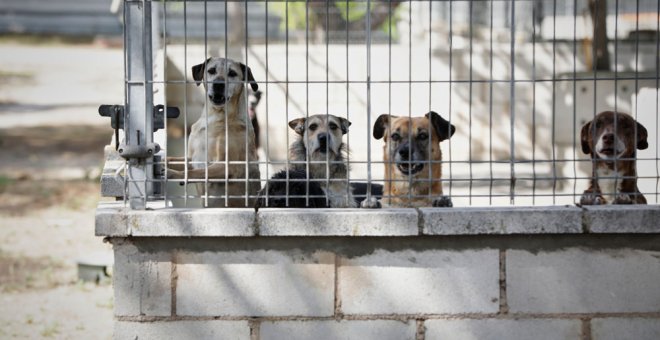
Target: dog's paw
x=371 y=203
x=591 y=199
x=174 y=174
x=623 y=199
x=443 y=202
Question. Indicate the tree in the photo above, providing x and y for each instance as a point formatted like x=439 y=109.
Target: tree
x=598 y=10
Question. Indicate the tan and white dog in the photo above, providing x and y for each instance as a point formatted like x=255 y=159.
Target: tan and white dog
x=227 y=130
x=319 y=141
x=412 y=157
x=612 y=140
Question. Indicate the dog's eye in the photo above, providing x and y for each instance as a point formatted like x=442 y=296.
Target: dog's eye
x=598 y=125
x=422 y=136
x=312 y=127
x=396 y=137
x=232 y=73
x=211 y=70
x=333 y=126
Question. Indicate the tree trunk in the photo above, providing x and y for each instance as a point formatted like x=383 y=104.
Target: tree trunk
x=598 y=10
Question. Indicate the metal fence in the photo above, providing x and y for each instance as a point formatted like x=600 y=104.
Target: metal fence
x=517 y=80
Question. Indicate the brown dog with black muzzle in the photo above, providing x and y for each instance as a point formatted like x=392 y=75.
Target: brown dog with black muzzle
x=612 y=139
x=412 y=157
x=226 y=129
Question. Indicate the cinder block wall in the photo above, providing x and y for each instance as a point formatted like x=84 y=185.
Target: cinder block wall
x=515 y=273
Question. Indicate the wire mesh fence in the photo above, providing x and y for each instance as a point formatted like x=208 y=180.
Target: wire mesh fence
x=413 y=103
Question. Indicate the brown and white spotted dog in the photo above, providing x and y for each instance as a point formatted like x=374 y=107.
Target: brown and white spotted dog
x=226 y=128
x=612 y=139
x=412 y=157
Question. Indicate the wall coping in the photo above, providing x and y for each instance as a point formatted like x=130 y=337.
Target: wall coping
x=114 y=219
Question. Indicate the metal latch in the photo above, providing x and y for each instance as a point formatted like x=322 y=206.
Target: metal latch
x=116 y=114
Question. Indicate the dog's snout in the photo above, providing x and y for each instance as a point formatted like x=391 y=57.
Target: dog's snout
x=608 y=138
x=323 y=138
x=404 y=152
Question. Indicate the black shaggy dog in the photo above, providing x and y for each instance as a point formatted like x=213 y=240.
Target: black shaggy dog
x=276 y=190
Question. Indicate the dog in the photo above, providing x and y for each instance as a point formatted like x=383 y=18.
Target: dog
x=318 y=155
x=412 y=157
x=228 y=132
x=612 y=140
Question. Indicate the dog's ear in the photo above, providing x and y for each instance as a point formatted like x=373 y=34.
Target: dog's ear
x=441 y=126
x=247 y=73
x=198 y=72
x=298 y=125
x=584 y=138
x=642 y=135
x=381 y=124
x=344 y=125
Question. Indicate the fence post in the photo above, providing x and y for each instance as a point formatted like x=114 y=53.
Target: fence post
x=138 y=98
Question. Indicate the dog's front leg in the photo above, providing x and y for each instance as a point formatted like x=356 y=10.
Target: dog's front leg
x=371 y=203
x=592 y=197
x=176 y=163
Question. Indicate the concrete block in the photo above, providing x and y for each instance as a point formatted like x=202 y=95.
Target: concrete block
x=499 y=220
x=637 y=219
x=625 y=328
x=583 y=281
x=338 y=330
x=495 y=329
x=255 y=283
x=184 y=330
x=224 y=222
x=141 y=281
x=110 y=220
x=113 y=219
x=338 y=222
x=412 y=282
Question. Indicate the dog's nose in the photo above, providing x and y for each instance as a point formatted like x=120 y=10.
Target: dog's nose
x=404 y=152
x=608 y=138
x=322 y=138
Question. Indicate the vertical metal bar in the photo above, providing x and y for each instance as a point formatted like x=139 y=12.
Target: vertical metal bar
x=410 y=178
x=657 y=103
x=432 y=163
x=164 y=183
x=368 y=27
x=533 y=103
x=554 y=95
x=286 y=94
x=512 y=100
x=327 y=94
x=451 y=47
x=267 y=85
x=490 y=109
x=471 y=33
x=206 y=113
x=226 y=122
x=249 y=120
x=307 y=98
x=139 y=98
x=185 y=102
x=574 y=99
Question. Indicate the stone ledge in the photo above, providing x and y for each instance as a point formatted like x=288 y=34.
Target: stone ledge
x=115 y=220
x=635 y=219
x=506 y=220
x=339 y=222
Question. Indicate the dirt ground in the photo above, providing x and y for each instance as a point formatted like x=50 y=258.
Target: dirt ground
x=51 y=152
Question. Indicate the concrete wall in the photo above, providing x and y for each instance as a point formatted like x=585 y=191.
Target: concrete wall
x=470 y=273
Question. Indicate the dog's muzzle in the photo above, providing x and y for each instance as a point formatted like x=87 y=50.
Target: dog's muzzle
x=405 y=165
x=323 y=142
x=217 y=96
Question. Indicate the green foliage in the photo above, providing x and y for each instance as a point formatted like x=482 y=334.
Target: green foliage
x=297 y=15
x=351 y=11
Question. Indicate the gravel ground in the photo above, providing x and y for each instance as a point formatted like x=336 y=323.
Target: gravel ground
x=51 y=147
